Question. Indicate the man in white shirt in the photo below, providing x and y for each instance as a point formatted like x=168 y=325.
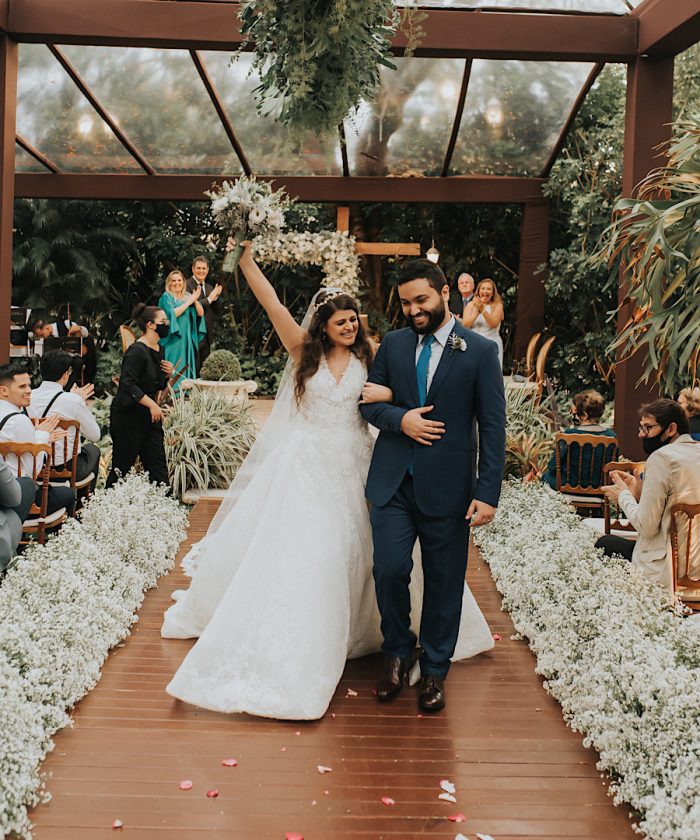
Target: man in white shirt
x=15 y=425
x=49 y=400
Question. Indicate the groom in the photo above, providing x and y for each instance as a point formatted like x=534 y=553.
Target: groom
x=423 y=480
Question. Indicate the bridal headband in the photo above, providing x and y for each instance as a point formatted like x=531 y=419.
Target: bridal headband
x=330 y=294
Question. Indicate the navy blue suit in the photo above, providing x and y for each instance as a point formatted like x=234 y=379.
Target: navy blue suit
x=425 y=491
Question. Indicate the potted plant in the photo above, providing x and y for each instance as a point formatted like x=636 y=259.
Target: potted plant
x=221 y=374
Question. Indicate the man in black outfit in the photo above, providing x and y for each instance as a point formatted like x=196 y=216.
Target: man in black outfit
x=209 y=298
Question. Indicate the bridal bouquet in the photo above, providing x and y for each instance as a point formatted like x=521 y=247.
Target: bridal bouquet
x=247 y=208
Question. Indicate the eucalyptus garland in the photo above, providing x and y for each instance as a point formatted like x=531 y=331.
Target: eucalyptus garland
x=318 y=59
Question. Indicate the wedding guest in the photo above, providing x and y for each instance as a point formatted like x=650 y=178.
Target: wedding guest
x=16 y=426
x=671 y=476
x=16 y=497
x=465 y=292
x=586 y=410
x=484 y=313
x=209 y=301
x=187 y=326
x=51 y=399
x=43 y=329
x=136 y=419
x=689 y=401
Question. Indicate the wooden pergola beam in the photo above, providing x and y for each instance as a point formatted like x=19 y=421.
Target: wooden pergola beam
x=210 y=25
x=491 y=189
x=667 y=28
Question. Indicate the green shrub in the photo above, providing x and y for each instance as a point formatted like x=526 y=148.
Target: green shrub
x=221 y=365
x=207 y=438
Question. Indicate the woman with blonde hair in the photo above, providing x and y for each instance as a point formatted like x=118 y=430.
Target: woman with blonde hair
x=187 y=326
x=689 y=401
x=484 y=313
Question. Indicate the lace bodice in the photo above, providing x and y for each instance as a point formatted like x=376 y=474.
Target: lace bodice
x=330 y=407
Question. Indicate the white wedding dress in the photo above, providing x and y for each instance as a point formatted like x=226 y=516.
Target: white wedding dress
x=283 y=592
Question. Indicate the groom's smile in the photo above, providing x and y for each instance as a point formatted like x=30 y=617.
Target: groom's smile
x=423 y=306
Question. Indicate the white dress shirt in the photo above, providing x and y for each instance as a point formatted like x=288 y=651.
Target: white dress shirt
x=436 y=348
x=70 y=407
x=20 y=429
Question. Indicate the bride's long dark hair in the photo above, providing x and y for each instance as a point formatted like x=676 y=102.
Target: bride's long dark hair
x=315 y=345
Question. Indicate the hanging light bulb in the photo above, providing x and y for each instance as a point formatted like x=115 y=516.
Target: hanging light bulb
x=494 y=113
x=432 y=253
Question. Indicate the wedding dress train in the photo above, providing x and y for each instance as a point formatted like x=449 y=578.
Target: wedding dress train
x=283 y=591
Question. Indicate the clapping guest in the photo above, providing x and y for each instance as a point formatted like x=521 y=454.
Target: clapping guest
x=136 y=419
x=51 y=399
x=187 y=326
x=689 y=401
x=16 y=497
x=484 y=313
x=16 y=426
x=209 y=299
x=671 y=476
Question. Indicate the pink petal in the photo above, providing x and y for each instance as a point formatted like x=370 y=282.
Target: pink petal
x=212 y=794
x=321 y=769
x=457 y=818
x=496 y=637
x=387 y=800
x=332 y=715
x=230 y=762
x=313 y=801
x=351 y=693
x=117 y=824
x=297 y=733
x=419 y=716
x=186 y=784
x=292 y=835
x=284 y=749
x=326 y=792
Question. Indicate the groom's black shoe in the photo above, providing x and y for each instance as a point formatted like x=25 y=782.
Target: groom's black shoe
x=393 y=676
x=432 y=693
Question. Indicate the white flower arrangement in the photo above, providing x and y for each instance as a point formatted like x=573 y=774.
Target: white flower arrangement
x=63 y=606
x=623 y=663
x=333 y=251
x=246 y=208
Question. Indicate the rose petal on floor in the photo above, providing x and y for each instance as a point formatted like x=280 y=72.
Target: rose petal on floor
x=448 y=786
x=387 y=800
x=447 y=797
x=292 y=835
x=496 y=637
x=212 y=794
x=117 y=824
x=321 y=769
x=351 y=693
x=457 y=818
x=186 y=784
x=230 y=762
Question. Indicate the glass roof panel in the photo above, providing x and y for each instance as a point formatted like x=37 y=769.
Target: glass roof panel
x=405 y=131
x=619 y=7
x=513 y=115
x=157 y=98
x=24 y=162
x=266 y=143
x=55 y=117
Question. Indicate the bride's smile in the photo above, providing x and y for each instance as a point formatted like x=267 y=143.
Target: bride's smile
x=342 y=327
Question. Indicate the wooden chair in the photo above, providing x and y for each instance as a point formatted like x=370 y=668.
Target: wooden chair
x=127 y=336
x=540 y=365
x=616 y=525
x=582 y=487
x=685 y=587
x=63 y=453
x=530 y=355
x=38 y=522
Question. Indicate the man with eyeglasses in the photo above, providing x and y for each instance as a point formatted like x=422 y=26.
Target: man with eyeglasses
x=671 y=476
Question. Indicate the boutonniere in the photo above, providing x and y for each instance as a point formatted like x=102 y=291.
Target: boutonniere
x=456 y=342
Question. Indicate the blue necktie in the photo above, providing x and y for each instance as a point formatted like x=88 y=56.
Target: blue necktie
x=422 y=368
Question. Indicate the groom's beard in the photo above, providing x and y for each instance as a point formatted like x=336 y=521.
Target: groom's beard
x=435 y=318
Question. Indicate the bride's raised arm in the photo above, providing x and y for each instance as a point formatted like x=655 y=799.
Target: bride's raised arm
x=290 y=333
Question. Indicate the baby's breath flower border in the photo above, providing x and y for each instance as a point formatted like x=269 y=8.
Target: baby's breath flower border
x=624 y=665
x=63 y=606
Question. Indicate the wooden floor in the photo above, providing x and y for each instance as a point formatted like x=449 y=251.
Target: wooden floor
x=519 y=772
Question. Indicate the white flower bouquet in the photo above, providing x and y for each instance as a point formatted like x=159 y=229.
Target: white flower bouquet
x=247 y=208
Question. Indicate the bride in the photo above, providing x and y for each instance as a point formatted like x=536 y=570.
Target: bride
x=282 y=591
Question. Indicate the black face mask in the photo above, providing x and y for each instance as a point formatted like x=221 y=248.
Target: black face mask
x=651 y=444
x=162 y=330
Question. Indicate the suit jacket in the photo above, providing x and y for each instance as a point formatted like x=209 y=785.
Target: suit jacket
x=212 y=311
x=466 y=390
x=671 y=476
x=10 y=497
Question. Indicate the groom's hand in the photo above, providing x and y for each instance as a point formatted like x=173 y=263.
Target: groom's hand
x=415 y=426
x=480 y=513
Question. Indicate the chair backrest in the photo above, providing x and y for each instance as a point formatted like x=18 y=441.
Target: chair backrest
x=38 y=474
x=583 y=476
x=68 y=343
x=65 y=451
x=681 y=566
x=530 y=355
x=616 y=524
x=541 y=363
x=127 y=336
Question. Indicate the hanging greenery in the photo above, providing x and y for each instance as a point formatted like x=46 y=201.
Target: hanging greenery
x=318 y=59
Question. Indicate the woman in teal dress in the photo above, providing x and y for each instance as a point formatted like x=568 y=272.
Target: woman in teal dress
x=187 y=327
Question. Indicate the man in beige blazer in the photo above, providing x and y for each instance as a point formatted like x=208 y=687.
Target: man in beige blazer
x=671 y=476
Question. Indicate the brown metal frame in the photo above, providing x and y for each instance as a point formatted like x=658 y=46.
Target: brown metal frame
x=666 y=29
x=458 y=118
x=36 y=154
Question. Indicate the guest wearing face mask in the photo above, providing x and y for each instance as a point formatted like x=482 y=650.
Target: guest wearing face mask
x=671 y=476
x=136 y=419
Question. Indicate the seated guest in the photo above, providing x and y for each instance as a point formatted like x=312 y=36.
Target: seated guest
x=586 y=410
x=16 y=497
x=15 y=426
x=671 y=476
x=69 y=329
x=689 y=401
x=187 y=326
x=50 y=399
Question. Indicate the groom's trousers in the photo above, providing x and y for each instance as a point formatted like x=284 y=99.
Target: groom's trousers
x=444 y=544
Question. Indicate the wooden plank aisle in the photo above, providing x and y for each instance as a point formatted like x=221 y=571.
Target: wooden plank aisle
x=519 y=772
